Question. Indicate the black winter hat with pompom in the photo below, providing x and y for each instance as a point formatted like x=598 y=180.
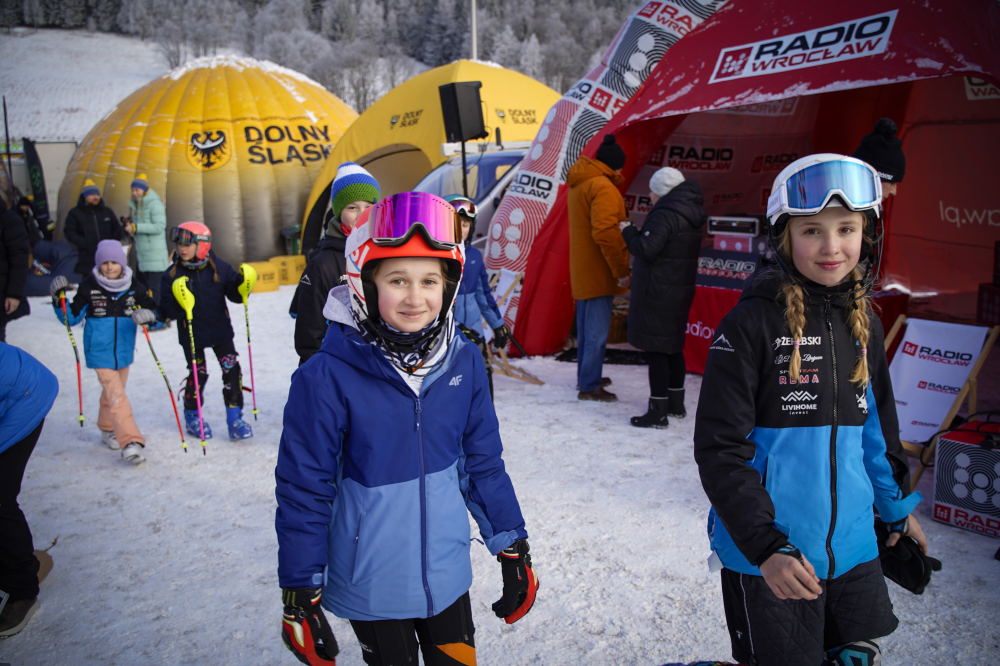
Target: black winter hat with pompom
x=611 y=153
x=884 y=151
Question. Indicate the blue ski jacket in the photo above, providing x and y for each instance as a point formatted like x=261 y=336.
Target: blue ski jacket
x=797 y=460
x=27 y=391
x=374 y=482
x=474 y=300
x=211 y=285
x=109 y=334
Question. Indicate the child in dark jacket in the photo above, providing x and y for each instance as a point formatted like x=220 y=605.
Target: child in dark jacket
x=113 y=302
x=796 y=435
x=352 y=192
x=389 y=440
x=211 y=281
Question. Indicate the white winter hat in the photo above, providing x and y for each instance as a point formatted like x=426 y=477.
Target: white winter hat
x=665 y=180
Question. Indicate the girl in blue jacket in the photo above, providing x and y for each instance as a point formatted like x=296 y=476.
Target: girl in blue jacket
x=389 y=440
x=211 y=281
x=113 y=302
x=796 y=435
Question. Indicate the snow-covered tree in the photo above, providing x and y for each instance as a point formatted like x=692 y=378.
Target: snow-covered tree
x=295 y=49
x=370 y=22
x=105 y=14
x=506 y=49
x=33 y=14
x=531 y=58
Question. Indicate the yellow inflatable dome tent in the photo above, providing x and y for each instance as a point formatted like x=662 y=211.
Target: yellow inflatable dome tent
x=232 y=142
x=398 y=138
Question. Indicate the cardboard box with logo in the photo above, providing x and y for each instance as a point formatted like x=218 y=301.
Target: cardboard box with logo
x=967 y=478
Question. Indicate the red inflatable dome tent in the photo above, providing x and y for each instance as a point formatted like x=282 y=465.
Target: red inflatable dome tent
x=760 y=82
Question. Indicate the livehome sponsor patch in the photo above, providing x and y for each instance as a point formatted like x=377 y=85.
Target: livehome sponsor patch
x=859 y=38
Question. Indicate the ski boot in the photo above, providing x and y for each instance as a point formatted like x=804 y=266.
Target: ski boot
x=656 y=417
x=238 y=428
x=191 y=421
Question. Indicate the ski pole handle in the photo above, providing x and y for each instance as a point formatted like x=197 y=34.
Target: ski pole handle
x=184 y=296
x=249 y=280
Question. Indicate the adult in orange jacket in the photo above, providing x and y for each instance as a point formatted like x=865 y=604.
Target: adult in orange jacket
x=598 y=259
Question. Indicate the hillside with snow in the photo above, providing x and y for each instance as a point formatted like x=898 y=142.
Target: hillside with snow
x=60 y=83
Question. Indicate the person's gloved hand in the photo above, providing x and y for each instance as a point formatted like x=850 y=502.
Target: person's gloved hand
x=520 y=583
x=500 y=336
x=143 y=317
x=59 y=283
x=304 y=629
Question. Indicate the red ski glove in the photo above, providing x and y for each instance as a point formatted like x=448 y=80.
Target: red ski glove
x=304 y=629
x=520 y=583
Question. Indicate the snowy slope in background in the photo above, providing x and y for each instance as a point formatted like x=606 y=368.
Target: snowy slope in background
x=60 y=83
x=175 y=561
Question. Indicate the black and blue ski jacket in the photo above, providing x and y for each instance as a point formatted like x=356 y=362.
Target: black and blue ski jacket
x=210 y=320
x=797 y=460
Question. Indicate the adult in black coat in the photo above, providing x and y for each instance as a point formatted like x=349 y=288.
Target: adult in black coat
x=327 y=264
x=663 y=274
x=88 y=224
x=14 y=250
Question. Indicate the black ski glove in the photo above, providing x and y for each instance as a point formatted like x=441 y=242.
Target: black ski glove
x=520 y=583
x=904 y=564
x=304 y=629
x=500 y=337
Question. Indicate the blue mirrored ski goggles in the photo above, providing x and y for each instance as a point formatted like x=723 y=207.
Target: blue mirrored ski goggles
x=808 y=191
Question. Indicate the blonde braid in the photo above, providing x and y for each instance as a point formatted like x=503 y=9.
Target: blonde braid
x=795 y=315
x=859 y=322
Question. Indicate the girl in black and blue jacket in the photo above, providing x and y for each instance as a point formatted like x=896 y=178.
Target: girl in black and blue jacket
x=796 y=436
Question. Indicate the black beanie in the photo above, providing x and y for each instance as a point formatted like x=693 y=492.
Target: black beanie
x=883 y=151
x=611 y=153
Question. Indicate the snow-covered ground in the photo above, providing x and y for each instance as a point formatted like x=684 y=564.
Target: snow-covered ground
x=60 y=83
x=174 y=562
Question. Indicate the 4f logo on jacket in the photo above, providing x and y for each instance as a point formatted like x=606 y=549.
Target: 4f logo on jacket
x=455 y=381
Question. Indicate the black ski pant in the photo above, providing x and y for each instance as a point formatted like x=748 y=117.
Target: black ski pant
x=666 y=371
x=445 y=639
x=18 y=564
x=767 y=631
x=232 y=379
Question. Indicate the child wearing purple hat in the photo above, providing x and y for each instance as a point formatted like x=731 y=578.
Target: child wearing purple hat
x=113 y=302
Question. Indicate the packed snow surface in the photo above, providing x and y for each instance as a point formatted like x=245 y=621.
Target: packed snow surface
x=60 y=83
x=174 y=562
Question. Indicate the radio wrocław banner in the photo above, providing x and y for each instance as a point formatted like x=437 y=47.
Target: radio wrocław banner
x=931 y=364
x=575 y=119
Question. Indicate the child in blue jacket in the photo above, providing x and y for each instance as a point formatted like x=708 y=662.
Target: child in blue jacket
x=389 y=440
x=474 y=301
x=113 y=302
x=211 y=281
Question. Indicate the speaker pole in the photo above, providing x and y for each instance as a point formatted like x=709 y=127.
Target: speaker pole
x=465 y=180
x=475 y=48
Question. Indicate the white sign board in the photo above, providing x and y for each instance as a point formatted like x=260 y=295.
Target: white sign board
x=931 y=365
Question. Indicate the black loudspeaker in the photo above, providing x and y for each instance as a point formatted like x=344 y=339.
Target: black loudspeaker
x=463 y=111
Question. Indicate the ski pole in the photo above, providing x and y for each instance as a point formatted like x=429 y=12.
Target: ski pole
x=249 y=280
x=76 y=353
x=186 y=299
x=173 y=403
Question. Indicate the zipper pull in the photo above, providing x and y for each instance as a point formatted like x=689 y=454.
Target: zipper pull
x=829 y=324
